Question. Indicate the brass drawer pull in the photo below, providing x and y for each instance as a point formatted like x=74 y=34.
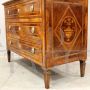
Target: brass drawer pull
x=33 y=50
x=8 y=12
x=19 y=45
x=9 y=27
x=33 y=30
x=19 y=28
x=18 y=10
x=31 y=8
x=10 y=43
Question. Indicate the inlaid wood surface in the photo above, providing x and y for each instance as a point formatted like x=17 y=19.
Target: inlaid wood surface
x=47 y=32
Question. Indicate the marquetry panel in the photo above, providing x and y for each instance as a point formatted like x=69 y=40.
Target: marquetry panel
x=68 y=28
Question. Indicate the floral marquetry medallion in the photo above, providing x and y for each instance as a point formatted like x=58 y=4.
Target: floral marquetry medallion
x=68 y=28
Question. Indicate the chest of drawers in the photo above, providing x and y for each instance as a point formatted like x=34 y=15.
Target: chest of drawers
x=47 y=32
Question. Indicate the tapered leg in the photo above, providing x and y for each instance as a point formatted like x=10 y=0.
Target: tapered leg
x=8 y=55
x=46 y=78
x=82 y=68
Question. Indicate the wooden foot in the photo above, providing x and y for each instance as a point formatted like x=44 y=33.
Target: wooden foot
x=46 y=78
x=8 y=55
x=82 y=68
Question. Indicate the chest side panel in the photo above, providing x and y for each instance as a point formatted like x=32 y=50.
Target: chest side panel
x=68 y=30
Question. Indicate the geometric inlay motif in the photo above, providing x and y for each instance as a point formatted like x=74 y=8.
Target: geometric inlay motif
x=68 y=29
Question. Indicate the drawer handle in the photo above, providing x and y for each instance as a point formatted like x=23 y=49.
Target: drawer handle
x=19 y=28
x=31 y=8
x=33 y=50
x=19 y=45
x=9 y=27
x=18 y=10
x=33 y=30
x=8 y=12
x=10 y=43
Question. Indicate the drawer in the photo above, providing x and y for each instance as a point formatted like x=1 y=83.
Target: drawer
x=32 y=33
x=32 y=30
x=33 y=52
x=25 y=9
x=13 y=43
x=13 y=30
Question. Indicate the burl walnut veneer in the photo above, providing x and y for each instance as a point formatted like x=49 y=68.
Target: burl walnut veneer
x=48 y=32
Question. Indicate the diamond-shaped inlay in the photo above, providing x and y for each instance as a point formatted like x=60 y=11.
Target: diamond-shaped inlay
x=68 y=29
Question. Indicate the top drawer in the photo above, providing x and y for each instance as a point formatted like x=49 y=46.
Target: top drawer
x=24 y=9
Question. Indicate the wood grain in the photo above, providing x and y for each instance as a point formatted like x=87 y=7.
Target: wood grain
x=48 y=32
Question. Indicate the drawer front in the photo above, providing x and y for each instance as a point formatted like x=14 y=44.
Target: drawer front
x=32 y=33
x=30 y=51
x=33 y=51
x=13 y=43
x=32 y=30
x=25 y=9
x=13 y=30
x=27 y=32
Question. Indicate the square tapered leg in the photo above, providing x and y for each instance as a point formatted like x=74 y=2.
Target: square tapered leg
x=47 y=78
x=82 y=68
x=9 y=55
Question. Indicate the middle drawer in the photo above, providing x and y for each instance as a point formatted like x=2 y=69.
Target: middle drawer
x=30 y=33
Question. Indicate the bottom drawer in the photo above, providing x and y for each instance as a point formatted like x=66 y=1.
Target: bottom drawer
x=31 y=53
x=12 y=42
x=34 y=53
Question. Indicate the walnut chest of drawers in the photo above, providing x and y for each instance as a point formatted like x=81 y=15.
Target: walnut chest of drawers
x=47 y=32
